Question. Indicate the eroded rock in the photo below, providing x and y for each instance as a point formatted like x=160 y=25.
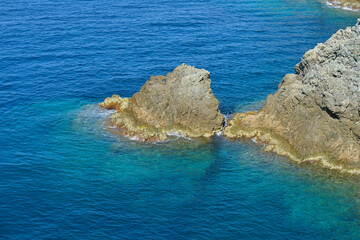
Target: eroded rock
x=315 y=112
x=181 y=102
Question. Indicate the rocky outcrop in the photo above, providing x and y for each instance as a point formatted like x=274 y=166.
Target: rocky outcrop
x=315 y=112
x=346 y=4
x=179 y=103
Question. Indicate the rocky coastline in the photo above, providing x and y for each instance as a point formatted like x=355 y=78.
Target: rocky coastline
x=313 y=116
x=353 y=5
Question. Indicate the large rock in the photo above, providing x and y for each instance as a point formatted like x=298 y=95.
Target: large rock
x=179 y=103
x=315 y=112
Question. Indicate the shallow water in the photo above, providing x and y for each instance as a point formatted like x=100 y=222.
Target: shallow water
x=63 y=176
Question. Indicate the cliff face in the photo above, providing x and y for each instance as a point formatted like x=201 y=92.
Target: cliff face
x=315 y=112
x=181 y=102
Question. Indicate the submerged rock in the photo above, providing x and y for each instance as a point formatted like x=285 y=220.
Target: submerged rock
x=179 y=103
x=315 y=112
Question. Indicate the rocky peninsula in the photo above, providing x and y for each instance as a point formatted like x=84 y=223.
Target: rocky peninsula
x=315 y=112
x=181 y=102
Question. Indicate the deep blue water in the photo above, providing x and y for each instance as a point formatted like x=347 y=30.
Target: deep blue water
x=63 y=176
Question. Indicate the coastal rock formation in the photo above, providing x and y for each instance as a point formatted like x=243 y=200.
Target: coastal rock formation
x=346 y=4
x=179 y=103
x=315 y=112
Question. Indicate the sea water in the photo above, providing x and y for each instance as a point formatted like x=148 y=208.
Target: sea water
x=64 y=176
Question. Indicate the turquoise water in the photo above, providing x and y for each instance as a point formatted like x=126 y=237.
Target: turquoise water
x=63 y=176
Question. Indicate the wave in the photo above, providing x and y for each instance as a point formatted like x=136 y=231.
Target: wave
x=178 y=135
x=93 y=119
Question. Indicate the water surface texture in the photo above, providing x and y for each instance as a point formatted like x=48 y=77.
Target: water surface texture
x=63 y=176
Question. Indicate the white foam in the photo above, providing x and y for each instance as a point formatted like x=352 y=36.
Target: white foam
x=91 y=119
x=134 y=138
x=178 y=135
x=226 y=121
x=336 y=4
x=332 y=2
